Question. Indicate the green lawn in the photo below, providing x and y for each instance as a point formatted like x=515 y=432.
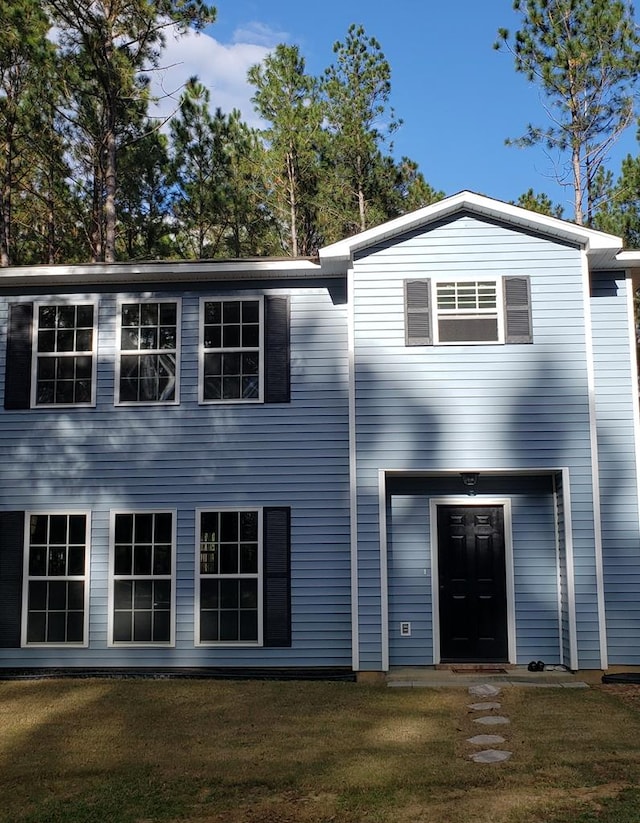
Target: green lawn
x=137 y=751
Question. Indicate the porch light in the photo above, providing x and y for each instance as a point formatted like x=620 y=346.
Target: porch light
x=470 y=479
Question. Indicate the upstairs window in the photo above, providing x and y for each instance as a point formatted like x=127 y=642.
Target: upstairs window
x=64 y=355
x=148 y=361
x=232 y=350
x=467 y=311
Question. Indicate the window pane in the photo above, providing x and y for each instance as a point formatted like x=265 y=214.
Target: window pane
x=77 y=528
x=75 y=595
x=248 y=526
x=213 y=312
x=57 y=561
x=168 y=314
x=228 y=559
x=248 y=594
x=248 y=558
x=162 y=560
x=57 y=596
x=209 y=627
x=230 y=388
x=229 y=625
x=85 y=316
x=56 y=628
x=124 y=528
x=161 y=627
x=123 y=560
x=122 y=594
x=37 y=596
x=76 y=560
x=209 y=594
x=149 y=314
x=143 y=528
x=57 y=528
x=38 y=561
x=229 y=594
x=231 y=336
x=142 y=560
x=249 y=625
x=142 y=594
x=228 y=527
x=38 y=528
x=250 y=311
x=130 y=314
x=75 y=627
x=36 y=627
x=163 y=532
x=122 y=627
x=162 y=594
x=231 y=311
x=142 y=626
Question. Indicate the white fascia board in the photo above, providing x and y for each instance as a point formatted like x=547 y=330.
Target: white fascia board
x=336 y=256
x=194 y=271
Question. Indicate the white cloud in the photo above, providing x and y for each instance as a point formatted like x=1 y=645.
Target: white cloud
x=220 y=67
x=260 y=34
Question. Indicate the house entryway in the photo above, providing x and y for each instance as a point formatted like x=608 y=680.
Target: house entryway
x=472 y=591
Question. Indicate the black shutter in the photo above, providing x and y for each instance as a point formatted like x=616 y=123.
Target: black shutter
x=17 y=383
x=277 y=576
x=277 y=377
x=417 y=312
x=517 y=309
x=11 y=549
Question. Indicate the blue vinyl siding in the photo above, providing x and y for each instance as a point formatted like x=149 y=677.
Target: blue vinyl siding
x=616 y=392
x=189 y=456
x=483 y=406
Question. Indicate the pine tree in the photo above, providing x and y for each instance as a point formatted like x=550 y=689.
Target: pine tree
x=584 y=57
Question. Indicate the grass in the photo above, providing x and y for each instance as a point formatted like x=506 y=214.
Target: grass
x=142 y=751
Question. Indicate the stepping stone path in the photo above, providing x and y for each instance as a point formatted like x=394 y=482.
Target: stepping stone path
x=488 y=755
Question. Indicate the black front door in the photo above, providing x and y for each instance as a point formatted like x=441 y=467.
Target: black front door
x=472 y=584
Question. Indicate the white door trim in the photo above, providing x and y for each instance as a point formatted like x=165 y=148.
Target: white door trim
x=505 y=502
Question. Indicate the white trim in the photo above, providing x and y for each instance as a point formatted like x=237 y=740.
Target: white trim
x=261 y=349
x=120 y=352
x=571 y=586
x=353 y=478
x=384 y=571
x=478 y=500
x=132 y=644
x=86 y=513
x=338 y=254
x=556 y=519
x=635 y=387
x=222 y=644
x=75 y=301
x=595 y=463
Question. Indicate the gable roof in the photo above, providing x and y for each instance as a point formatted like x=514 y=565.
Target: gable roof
x=601 y=248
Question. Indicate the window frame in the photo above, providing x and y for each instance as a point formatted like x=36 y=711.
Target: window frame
x=36 y=354
x=261 y=349
x=119 y=351
x=437 y=313
x=141 y=644
x=27 y=578
x=259 y=576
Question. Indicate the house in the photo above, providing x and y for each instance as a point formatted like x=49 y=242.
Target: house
x=421 y=448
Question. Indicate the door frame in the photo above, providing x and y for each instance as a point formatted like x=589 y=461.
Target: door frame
x=469 y=501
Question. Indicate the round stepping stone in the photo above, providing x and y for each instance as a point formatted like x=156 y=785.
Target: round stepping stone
x=485 y=739
x=490 y=756
x=484 y=690
x=492 y=720
x=484 y=707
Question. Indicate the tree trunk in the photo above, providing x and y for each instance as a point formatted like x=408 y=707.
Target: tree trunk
x=577 y=184
x=293 y=206
x=110 y=194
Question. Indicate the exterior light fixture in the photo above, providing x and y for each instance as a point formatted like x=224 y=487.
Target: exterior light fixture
x=470 y=479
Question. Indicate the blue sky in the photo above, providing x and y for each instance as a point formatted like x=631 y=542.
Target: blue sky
x=458 y=98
